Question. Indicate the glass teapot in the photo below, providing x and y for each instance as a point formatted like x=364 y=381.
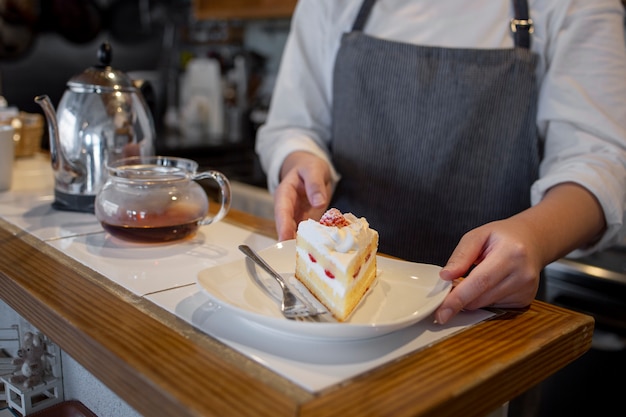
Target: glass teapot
x=157 y=199
x=101 y=118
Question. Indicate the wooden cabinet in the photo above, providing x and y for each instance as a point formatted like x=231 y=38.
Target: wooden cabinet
x=247 y=9
x=242 y=9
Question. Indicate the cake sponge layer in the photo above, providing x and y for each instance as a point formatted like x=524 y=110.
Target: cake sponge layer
x=337 y=280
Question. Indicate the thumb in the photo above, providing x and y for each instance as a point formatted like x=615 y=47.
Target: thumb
x=316 y=185
x=316 y=196
x=464 y=257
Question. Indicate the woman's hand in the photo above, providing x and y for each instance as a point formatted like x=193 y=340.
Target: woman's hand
x=506 y=261
x=507 y=256
x=304 y=192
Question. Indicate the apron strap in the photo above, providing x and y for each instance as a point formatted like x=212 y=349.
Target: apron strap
x=521 y=25
x=361 y=18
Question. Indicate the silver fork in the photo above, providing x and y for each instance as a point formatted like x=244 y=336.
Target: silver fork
x=292 y=307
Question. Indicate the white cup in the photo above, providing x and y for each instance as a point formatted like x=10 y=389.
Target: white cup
x=7 y=155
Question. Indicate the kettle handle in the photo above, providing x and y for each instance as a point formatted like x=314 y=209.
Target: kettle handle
x=64 y=170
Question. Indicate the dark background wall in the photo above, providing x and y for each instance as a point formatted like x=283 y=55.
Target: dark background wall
x=53 y=61
x=44 y=43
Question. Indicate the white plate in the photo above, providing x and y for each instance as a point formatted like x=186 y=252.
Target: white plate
x=405 y=293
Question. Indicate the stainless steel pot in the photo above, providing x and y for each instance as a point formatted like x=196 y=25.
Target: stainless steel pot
x=102 y=117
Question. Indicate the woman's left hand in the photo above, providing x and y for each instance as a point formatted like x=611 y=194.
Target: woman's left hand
x=504 y=263
x=505 y=257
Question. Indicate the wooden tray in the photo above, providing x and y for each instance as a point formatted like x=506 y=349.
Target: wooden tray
x=65 y=409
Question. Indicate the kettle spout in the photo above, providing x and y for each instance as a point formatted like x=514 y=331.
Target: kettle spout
x=60 y=164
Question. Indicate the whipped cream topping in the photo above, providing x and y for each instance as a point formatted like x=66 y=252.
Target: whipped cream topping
x=344 y=239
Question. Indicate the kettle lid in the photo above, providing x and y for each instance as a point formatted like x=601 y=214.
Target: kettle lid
x=102 y=77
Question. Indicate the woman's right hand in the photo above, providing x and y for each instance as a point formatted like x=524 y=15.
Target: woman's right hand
x=304 y=192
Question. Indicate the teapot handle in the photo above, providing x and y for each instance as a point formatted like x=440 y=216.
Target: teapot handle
x=225 y=194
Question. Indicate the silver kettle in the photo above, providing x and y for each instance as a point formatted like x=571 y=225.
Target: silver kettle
x=102 y=117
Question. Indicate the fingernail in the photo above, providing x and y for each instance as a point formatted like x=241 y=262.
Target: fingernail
x=444 y=315
x=318 y=199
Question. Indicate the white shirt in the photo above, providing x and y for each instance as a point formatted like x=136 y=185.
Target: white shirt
x=581 y=75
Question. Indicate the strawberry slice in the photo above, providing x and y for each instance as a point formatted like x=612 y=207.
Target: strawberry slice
x=333 y=217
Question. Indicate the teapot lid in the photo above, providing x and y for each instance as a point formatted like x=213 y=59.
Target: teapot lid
x=102 y=77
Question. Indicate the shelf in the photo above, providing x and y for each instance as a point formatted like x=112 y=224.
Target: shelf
x=242 y=9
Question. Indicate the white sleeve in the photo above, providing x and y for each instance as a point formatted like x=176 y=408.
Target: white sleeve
x=299 y=117
x=582 y=109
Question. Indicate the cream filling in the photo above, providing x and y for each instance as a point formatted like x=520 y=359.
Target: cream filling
x=338 y=288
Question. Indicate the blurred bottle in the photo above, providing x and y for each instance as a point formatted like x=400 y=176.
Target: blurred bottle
x=201 y=102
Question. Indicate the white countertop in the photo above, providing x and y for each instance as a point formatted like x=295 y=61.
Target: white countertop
x=166 y=275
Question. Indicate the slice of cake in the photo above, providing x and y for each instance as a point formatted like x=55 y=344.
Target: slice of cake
x=336 y=260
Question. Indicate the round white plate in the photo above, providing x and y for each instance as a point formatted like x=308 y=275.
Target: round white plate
x=404 y=294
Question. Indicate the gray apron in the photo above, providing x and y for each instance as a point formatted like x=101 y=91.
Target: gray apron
x=432 y=142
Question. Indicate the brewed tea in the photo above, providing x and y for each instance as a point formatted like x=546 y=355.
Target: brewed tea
x=152 y=234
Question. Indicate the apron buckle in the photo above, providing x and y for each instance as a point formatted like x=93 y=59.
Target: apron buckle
x=522 y=24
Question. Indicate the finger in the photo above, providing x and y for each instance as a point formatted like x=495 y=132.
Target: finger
x=284 y=216
x=284 y=211
x=286 y=230
x=492 y=283
x=285 y=223
x=472 y=291
x=464 y=257
x=514 y=291
x=453 y=303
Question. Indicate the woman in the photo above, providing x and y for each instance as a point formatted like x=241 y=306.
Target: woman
x=484 y=136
